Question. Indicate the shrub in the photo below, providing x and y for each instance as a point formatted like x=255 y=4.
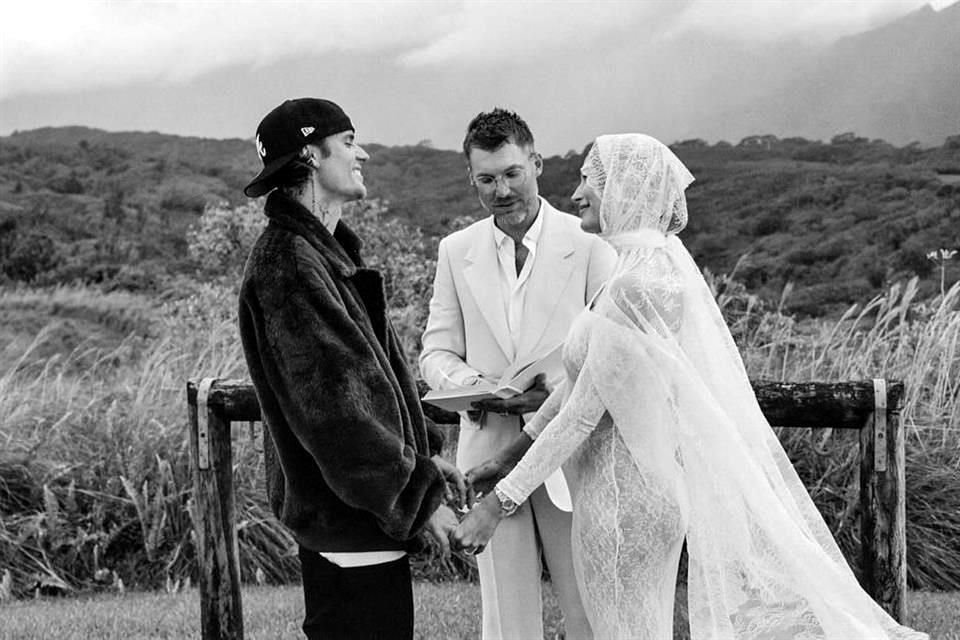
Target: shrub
x=222 y=238
x=770 y=222
x=221 y=241
x=95 y=477
x=24 y=256
x=184 y=196
x=68 y=184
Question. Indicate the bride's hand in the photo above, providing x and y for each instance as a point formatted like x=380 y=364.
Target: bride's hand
x=485 y=475
x=475 y=530
x=488 y=473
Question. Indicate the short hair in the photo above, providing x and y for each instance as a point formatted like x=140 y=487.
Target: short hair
x=297 y=172
x=491 y=130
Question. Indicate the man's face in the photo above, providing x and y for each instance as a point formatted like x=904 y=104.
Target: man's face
x=506 y=181
x=339 y=171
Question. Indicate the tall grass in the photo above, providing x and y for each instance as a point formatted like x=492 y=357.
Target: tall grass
x=893 y=336
x=95 y=478
x=94 y=472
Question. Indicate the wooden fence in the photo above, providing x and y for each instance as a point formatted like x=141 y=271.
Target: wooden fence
x=871 y=407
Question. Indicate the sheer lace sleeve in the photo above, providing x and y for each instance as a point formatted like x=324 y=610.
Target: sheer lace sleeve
x=571 y=425
x=547 y=411
x=645 y=294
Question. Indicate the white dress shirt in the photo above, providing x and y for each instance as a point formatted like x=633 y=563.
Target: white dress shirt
x=347 y=559
x=513 y=286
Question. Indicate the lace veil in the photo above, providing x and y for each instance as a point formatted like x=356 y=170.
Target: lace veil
x=763 y=564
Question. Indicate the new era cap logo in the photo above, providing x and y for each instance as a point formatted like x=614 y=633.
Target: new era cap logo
x=260 y=149
x=307 y=130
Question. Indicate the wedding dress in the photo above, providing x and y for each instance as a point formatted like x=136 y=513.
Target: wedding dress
x=662 y=439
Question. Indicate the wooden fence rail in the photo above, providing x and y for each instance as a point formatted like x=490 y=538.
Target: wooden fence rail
x=871 y=407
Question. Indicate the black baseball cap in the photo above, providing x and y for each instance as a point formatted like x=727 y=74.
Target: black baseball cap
x=286 y=129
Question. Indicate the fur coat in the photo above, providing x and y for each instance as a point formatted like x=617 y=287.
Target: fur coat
x=347 y=447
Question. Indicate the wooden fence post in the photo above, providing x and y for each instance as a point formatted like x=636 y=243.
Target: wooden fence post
x=214 y=518
x=875 y=412
x=883 y=518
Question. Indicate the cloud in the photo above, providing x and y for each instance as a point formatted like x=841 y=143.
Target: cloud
x=492 y=31
x=78 y=45
x=83 y=45
x=766 y=21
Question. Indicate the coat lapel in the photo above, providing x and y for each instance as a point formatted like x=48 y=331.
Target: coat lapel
x=482 y=273
x=552 y=269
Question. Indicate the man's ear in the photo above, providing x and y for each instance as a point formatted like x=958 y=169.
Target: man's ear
x=307 y=156
x=538 y=162
x=470 y=176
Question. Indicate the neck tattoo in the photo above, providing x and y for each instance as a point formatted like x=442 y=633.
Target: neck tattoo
x=322 y=214
x=327 y=217
x=300 y=193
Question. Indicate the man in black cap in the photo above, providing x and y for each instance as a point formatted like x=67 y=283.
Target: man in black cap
x=352 y=468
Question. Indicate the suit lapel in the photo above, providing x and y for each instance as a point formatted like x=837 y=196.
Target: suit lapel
x=482 y=273
x=552 y=269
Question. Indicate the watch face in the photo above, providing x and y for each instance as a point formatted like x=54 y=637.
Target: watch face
x=507 y=506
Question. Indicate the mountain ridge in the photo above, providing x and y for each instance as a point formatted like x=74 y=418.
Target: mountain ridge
x=839 y=219
x=899 y=82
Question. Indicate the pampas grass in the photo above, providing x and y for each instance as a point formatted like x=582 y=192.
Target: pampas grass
x=897 y=337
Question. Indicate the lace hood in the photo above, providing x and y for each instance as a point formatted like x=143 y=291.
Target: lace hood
x=641 y=183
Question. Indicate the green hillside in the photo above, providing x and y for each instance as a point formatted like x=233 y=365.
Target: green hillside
x=839 y=219
x=95 y=478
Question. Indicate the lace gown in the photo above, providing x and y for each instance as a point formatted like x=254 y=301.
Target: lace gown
x=661 y=437
x=653 y=454
x=629 y=515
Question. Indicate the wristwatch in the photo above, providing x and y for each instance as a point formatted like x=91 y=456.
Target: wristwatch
x=507 y=505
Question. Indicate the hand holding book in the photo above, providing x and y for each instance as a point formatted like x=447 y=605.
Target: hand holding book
x=518 y=384
x=527 y=402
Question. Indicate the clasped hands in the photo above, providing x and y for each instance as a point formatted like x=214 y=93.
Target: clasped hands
x=471 y=494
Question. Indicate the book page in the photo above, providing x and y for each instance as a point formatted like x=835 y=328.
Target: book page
x=459 y=398
x=520 y=376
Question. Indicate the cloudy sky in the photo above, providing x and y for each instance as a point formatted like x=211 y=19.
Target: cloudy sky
x=407 y=70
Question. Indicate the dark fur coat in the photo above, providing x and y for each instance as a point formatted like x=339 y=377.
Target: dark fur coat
x=347 y=455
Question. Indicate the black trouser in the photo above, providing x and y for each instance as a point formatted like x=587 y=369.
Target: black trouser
x=356 y=603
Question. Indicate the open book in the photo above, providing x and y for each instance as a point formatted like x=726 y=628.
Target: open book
x=516 y=379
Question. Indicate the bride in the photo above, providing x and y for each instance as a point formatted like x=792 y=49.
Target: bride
x=661 y=436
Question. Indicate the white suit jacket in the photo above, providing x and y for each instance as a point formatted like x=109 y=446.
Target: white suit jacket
x=467 y=332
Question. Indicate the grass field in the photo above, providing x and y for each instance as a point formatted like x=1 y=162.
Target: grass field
x=448 y=611
x=94 y=473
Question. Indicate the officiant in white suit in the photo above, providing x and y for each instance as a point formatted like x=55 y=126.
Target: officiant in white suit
x=506 y=287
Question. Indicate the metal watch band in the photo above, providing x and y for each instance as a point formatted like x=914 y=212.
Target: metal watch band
x=507 y=506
